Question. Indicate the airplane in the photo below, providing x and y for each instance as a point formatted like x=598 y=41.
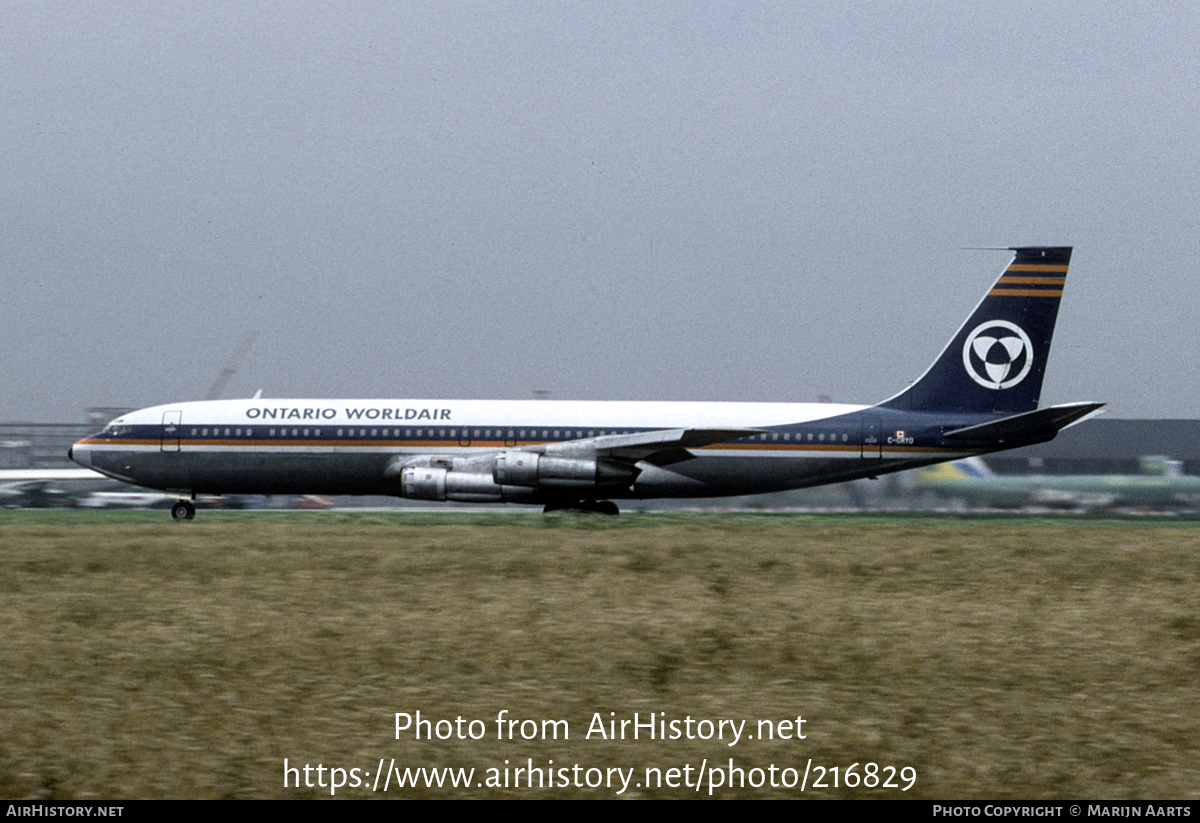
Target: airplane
x=125 y=500
x=35 y=494
x=1161 y=485
x=980 y=395
x=45 y=488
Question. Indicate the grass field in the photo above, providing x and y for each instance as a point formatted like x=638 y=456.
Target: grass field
x=995 y=658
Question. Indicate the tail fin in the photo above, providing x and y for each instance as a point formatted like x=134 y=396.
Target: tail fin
x=969 y=468
x=997 y=359
x=973 y=467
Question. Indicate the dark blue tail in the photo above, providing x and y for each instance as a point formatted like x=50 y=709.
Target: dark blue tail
x=996 y=361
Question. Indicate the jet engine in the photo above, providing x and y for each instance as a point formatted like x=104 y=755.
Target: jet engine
x=436 y=483
x=511 y=475
x=521 y=468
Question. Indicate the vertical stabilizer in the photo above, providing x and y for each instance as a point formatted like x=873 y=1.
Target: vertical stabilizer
x=996 y=361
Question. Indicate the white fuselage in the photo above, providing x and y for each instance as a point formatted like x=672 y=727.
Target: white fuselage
x=321 y=446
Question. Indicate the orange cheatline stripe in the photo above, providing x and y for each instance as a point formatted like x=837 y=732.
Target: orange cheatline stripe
x=1024 y=293
x=854 y=448
x=772 y=446
x=1036 y=267
x=1045 y=281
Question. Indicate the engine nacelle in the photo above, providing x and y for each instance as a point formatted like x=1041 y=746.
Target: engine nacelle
x=433 y=483
x=511 y=475
x=544 y=471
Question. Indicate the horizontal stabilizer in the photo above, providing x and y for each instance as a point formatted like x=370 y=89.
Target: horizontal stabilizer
x=1042 y=423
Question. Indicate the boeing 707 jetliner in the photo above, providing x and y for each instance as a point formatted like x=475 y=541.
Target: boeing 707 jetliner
x=979 y=396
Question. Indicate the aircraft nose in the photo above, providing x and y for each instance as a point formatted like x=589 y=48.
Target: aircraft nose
x=81 y=454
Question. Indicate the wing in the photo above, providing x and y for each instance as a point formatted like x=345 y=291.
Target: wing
x=584 y=467
x=643 y=445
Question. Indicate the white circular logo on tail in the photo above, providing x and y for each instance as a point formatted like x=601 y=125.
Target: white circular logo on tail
x=998 y=354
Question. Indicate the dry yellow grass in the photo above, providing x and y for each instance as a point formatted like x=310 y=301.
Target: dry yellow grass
x=997 y=660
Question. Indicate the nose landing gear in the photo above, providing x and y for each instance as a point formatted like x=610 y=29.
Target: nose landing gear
x=183 y=510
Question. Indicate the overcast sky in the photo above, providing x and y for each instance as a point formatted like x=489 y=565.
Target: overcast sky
x=636 y=201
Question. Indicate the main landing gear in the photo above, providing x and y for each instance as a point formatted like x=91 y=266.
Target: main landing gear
x=184 y=510
x=584 y=507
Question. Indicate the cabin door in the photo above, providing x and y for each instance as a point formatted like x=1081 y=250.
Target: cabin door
x=872 y=437
x=170 y=430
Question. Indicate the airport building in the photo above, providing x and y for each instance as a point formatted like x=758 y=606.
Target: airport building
x=40 y=445
x=1106 y=446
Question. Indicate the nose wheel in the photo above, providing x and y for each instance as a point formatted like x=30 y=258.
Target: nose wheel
x=183 y=510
